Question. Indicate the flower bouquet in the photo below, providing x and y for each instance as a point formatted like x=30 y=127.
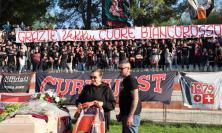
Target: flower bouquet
x=51 y=97
x=45 y=107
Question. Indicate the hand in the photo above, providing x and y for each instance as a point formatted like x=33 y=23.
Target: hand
x=76 y=115
x=98 y=104
x=79 y=106
x=129 y=120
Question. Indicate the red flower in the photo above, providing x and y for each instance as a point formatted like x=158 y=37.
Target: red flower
x=59 y=94
x=49 y=99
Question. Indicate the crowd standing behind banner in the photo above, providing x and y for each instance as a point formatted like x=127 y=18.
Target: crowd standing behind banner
x=84 y=55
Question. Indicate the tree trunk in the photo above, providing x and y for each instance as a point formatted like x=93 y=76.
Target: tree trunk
x=88 y=14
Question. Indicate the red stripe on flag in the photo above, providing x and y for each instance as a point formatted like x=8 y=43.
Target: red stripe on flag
x=15 y=97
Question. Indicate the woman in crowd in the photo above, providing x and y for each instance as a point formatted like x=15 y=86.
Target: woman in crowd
x=81 y=60
x=36 y=58
x=139 y=58
x=56 y=61
x=100 y=93
x=90 y=58
x=22 y=60
x=44 y=63
x=63 y=59
x=104 y=60
x=155 y=58
x=3 y=56
x=11 y=60
x=115 y=58
x=132 y=58
x=174 y=56
x=110 y=54
x=168 y=58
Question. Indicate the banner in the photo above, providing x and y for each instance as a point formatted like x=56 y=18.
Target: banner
x=116 y=13
x=152 y=86
x=12 y=83
x=164 y=32
x=202 y=90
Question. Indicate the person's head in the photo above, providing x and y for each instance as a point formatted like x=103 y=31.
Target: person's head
x=96 y=77
x=125 y=68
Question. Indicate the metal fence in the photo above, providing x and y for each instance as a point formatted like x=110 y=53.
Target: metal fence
x=179 y=68
x=165 y=115
x=190 y=68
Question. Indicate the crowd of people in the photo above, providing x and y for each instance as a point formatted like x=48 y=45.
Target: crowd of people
x=113 y=54
x=81 y=56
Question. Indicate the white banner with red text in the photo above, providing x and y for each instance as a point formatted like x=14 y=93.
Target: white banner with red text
x=163 y=32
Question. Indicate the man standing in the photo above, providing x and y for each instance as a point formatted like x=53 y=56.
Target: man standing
x=129 y=103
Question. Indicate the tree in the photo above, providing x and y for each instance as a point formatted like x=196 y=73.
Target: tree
x=46 y=21
x=89 y=12
x=17 y=11
x=146 y=12
x=76 y=12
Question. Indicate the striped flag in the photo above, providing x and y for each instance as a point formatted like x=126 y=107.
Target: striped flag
x=91 y=119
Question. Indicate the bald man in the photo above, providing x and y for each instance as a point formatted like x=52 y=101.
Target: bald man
x=129 y=102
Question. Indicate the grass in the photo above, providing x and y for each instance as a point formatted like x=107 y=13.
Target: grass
x=150 y=127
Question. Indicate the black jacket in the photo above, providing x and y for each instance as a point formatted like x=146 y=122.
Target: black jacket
x=100 y=93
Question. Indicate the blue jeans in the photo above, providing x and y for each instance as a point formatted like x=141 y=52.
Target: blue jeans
x=134 y=127
x=82 y=66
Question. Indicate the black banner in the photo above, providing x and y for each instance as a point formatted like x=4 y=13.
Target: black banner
x=153 y=86
x=12 y=83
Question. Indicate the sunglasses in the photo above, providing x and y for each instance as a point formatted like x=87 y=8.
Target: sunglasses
x=93 y=77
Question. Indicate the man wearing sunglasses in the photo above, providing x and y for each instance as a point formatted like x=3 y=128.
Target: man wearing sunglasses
x=129 y=103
